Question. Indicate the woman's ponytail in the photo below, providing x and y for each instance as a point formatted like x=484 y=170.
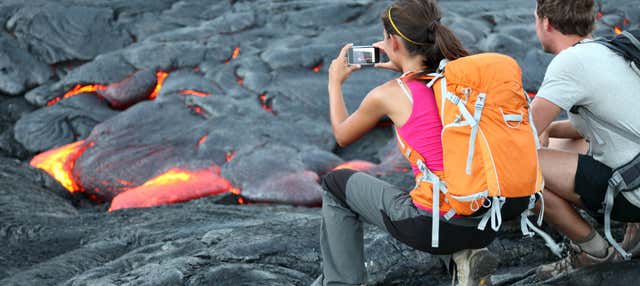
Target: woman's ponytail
x=448 y=44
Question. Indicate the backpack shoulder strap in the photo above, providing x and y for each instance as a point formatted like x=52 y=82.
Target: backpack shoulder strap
x=615 y=128
x=635 y=41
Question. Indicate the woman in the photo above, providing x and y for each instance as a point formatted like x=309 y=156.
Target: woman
x=415 y=42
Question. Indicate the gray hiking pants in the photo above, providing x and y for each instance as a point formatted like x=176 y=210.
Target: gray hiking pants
x=350 y=198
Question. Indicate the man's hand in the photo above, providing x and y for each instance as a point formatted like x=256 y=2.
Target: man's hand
x=544 y=138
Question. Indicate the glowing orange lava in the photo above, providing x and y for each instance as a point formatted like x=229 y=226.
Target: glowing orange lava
x=82 y=89
x=173 y=186
x=53 y=101
x=617 y=30
x=402 y=169
x=357 y=165
x=195 y=92
x=78 y=89
x=264 y=102
x=234 y=55
x=230 y=155
x=161 y=76
x=59 y=163
x=202 y=139
x=236 y=52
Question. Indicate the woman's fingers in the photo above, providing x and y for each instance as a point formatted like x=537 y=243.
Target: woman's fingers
x=379 y=45
x=345 y=49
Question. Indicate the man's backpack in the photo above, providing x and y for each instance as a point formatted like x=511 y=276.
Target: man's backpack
x=489 y=141
x=626 y=44
x=627 y=177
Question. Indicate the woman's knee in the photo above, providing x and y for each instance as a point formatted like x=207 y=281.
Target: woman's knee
x=335 y=183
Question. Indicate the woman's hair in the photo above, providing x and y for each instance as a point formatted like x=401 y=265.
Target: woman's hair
x=417 y=22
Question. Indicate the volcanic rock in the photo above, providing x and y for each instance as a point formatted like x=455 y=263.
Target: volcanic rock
x=202 y=243
x=57 y=33
x=70 y=120
x=19 y=70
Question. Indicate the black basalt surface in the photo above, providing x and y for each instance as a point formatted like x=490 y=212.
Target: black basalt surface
x=245 y=90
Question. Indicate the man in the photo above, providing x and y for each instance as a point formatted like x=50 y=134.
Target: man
x=578 y=160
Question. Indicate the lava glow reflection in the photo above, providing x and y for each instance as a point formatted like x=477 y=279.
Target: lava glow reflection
x=356 y=165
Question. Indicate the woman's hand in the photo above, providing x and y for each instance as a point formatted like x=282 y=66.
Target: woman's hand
x=339 y=70
x=388 y=65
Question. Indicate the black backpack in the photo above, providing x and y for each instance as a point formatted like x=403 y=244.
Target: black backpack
x=626 y=44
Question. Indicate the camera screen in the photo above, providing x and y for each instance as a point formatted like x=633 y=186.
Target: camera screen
x=365 y=55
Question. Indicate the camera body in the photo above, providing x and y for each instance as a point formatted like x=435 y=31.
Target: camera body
x=363 y=55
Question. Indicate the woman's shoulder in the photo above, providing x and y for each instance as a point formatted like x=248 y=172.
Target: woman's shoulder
x=389 y=87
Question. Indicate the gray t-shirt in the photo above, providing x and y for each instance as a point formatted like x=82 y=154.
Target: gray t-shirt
x=592 y=76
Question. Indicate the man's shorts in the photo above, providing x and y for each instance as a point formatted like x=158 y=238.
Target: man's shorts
x=592 y=179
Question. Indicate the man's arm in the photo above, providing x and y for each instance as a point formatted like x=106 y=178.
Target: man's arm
x=563 y=129
x=544 y=112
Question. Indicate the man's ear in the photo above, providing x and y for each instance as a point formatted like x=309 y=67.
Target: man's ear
x=546 y=25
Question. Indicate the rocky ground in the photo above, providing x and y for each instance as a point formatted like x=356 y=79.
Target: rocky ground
x=240 y=78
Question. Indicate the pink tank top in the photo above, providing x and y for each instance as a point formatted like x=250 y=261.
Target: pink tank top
x=423 y=129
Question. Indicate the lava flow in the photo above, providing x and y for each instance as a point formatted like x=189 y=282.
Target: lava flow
x=96 y=88
x=78 y=89
x=265 y=102
x=235 y=54
x=195 y=93
x=161 y=75
x=59 y=163
x=317 y=68
x=175 y=185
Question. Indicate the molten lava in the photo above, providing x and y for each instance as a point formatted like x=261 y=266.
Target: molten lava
x=266 y=103
x=234 y=55
x=356 y=165
x=59 y=163
x=617 y=30
x=196 y=109
x=175 y=185
x=230 y=155
x=195 y=93
x=240 y=80
x=78 y=89
x=161 y=75
x=202 y=139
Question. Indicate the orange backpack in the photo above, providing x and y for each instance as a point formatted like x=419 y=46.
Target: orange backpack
x=488 y=139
